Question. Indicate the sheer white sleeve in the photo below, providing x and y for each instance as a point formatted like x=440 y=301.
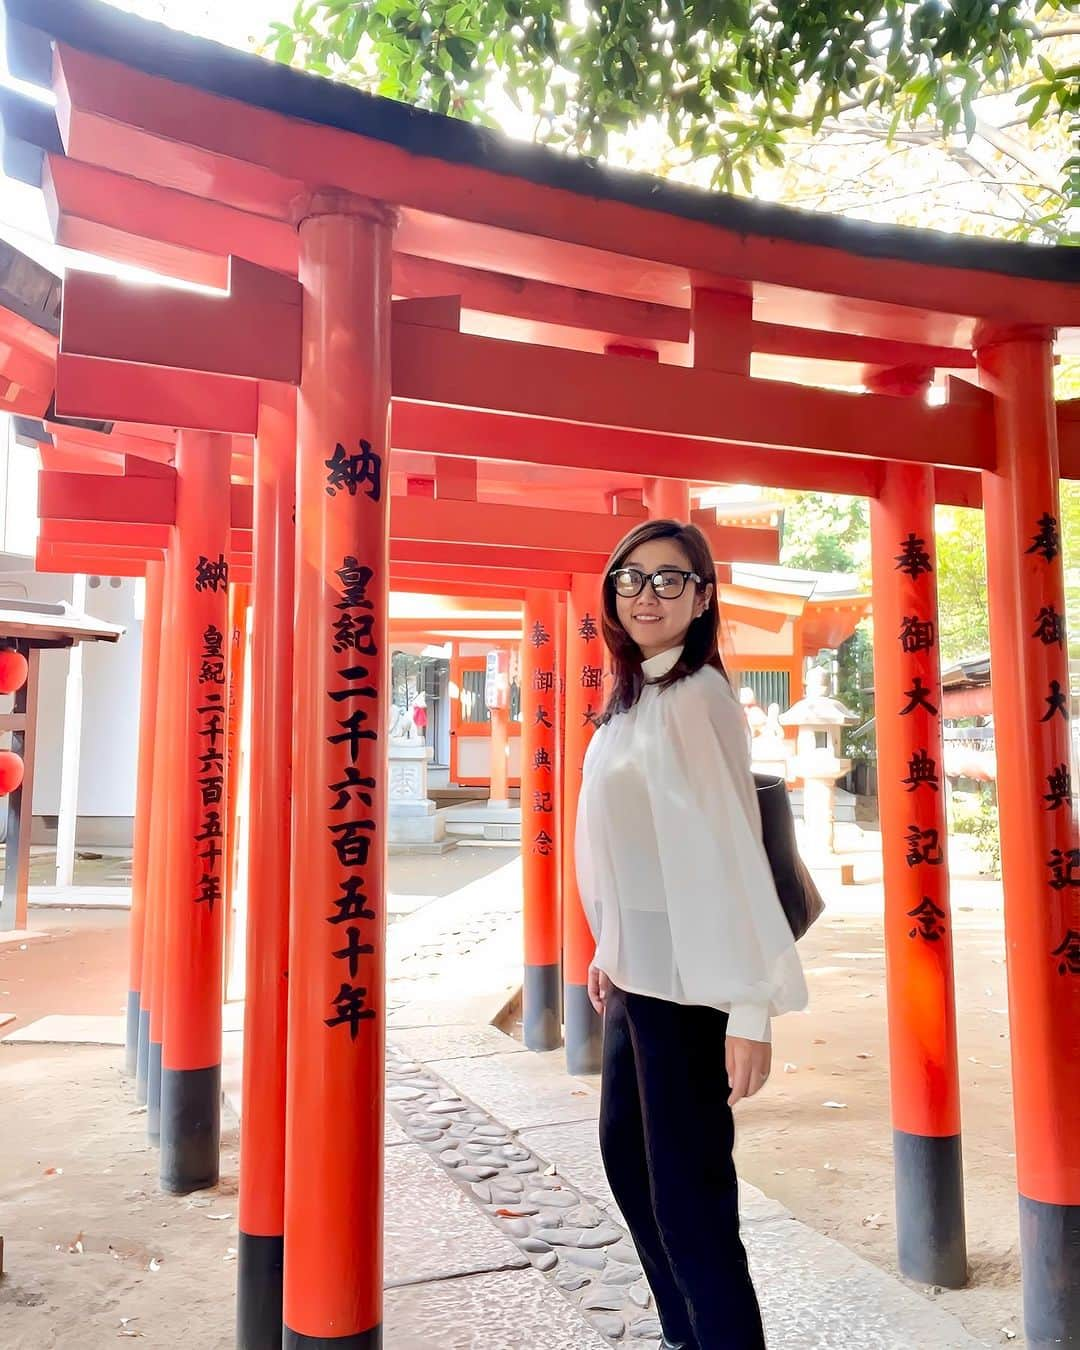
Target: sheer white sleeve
x=730 y=937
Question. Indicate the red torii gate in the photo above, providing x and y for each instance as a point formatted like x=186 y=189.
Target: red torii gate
x=149 y=119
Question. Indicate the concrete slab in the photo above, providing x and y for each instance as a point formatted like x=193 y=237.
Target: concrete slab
x=817 y=1295
x=434 y=1230
x=522 y=1091
x=79 y=897
x=516 y=1310
x=22 y=937
x=60 y=1029
x=455 y=1042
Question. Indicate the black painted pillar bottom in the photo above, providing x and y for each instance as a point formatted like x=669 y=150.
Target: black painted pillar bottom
x=153 y=1093
x=1050 y=1260
x=142 y=1059
x=131 y=1036
x=259 y=1263
x=190 y=1129
x=930 y=1234
x=584 y=1031
x=363 y=1340
x=541 y=1007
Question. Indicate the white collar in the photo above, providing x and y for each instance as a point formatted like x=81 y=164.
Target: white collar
x=656 y=667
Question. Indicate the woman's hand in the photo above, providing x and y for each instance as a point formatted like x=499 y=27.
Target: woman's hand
x=599 y=984
x=748 y=1065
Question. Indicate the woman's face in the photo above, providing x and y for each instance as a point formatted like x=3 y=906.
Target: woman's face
x=655 y=623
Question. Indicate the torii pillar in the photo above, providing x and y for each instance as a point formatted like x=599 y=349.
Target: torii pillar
x=924 y=1076
x=337 y=1016
x=584 y=702
x=542 y=989
x=1039 y=855
x=196 y=890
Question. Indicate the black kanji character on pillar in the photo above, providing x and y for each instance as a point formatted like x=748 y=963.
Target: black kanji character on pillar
x=353 y=842
x=592 y=677
x=542 y=802
x=212 y=789
x=1059 y=781
x=543 y=718
x=211 y=575
x=542 y=760
x=352 y=785
x=211 y=855
x=213 y=723
x=351 y=903
x=918 y=696
x=543 y=681
x=1069 y=951
x=1064 y=865
x=354 y=950
x=353 y=471
x=354 y=732
x=209 y=891
x=349 y=1004
x=352 y=673
x=916 y=635
x=587 y=628
x=213 y=642
x=1049 y=627
x=1057 y=702
x=355 y=581
x=352 y=632
x=913 y=557
x=212 y=671
x=539 y=637
x=1046 y=541
x=923 y=846
x=922 y=772
x=211 y=827
x=929 y=919
x=591 y=717
x=542 y=844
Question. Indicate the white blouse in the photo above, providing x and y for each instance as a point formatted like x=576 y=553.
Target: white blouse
x=670 y=865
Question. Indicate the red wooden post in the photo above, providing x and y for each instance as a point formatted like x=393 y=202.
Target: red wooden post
x=158 y=873
x=337 y=1017
x=144 y=785
x=262 y=1122
x=541 y=995
x=584 y=701
x=196 y=890
x=918 y=932
x=1040 y=861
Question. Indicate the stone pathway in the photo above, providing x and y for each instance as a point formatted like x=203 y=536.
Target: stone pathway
x=518 y=1136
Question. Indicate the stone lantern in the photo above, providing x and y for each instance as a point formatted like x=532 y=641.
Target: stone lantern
x=819 y=721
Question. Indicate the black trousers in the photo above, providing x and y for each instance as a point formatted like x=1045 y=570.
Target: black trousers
x=666 y=1135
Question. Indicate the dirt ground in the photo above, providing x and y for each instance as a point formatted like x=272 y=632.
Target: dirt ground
x=90 y=1241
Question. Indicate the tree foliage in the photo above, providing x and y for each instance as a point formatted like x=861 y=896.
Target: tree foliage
x=825 y=533
x=727 y=82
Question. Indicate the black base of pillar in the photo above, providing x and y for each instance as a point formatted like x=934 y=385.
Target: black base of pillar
x=363 y=1340
x=930 y=1236
x=541 y=1007
x=142 y=1058
x=153 y=1093
x=190 y=1129
x=584 y=1031
x=1050 y=1259
x=258 y=1292
x=131 y=1037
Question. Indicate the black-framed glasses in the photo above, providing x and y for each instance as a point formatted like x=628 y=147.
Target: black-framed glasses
x=668 y=582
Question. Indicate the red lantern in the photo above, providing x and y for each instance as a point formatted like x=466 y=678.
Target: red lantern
x=13 y=670
x=11 y=772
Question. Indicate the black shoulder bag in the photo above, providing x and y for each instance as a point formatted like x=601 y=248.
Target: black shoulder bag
x=800 y=898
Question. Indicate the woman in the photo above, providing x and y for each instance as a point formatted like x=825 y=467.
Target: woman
x=693 y=952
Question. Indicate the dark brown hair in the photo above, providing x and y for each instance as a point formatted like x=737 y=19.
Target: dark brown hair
x=701 y=645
